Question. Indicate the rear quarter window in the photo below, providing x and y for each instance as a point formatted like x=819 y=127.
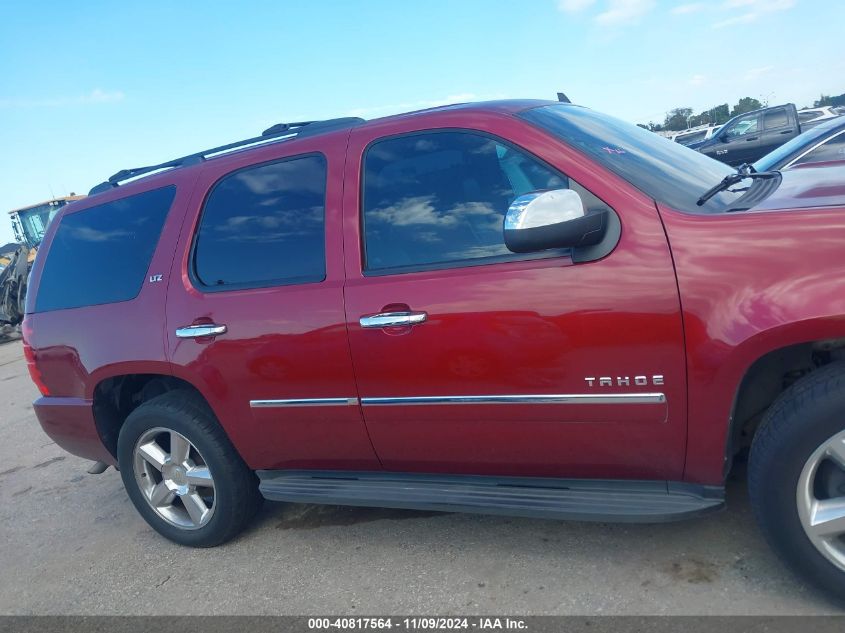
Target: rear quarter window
x=101 y=254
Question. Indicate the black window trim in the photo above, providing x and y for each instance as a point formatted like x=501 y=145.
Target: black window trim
x=563 y=253
x=143 y=283
x=197 y=283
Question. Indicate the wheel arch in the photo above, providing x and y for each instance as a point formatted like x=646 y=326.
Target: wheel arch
x=767 y=372
x=115 y=396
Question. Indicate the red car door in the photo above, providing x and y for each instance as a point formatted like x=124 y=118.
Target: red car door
x=262 y=268
x=472 y=359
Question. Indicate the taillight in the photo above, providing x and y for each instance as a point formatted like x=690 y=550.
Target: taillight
x=29 y=355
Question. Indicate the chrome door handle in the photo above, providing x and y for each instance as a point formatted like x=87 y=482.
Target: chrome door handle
x=392 y=319
x=200 y=331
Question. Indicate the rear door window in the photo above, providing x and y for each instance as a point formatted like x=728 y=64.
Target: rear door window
x=101 y=254
x=264 y=226
x=775 y=119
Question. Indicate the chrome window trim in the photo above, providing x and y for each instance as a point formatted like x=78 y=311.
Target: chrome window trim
x=574 y=398
x=304 y=402
x=819 y=144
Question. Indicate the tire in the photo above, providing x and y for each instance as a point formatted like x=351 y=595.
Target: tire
x=792 y=436
x=212 y=481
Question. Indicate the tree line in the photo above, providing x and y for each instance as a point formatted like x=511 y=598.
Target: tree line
x=683 y=118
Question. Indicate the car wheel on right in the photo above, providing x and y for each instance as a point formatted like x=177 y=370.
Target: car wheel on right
x=797 y=478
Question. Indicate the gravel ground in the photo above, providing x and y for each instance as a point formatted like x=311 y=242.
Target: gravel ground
x=73 y=544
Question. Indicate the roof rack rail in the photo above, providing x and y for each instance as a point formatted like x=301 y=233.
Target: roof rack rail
x=278 y=131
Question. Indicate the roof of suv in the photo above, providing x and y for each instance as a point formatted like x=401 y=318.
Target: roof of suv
x=293 y=131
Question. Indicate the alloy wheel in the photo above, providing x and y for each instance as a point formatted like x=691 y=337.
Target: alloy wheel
x=821 y=499
x=174 y=478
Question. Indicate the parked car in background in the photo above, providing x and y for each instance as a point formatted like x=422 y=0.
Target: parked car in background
x=809 y=117
x=823 y=143
x=695 y=136
x=750 y=136
x=516 y=307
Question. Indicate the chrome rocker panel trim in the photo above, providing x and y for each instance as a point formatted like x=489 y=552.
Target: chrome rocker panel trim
x=608 y=398
x=304 y=402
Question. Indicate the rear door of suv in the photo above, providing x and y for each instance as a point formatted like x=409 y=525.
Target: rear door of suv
x=779 y=125
x=255 y=306
x=505 y=364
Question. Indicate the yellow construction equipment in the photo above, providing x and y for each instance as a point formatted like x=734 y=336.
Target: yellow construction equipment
x=29 y=225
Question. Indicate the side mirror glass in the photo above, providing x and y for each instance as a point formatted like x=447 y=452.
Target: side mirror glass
x=542 y=220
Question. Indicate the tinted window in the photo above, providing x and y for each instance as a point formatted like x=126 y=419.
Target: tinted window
x=101 y=254
x=775 y=119
x=803 y=117
x=832 y=149
x=441 y=197
x=264 y=226
x=667 y=172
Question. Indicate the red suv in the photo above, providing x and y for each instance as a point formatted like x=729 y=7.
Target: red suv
x=518 y=307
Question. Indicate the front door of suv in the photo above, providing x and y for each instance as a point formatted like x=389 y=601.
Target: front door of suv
x=261 y=256
x=499 y=363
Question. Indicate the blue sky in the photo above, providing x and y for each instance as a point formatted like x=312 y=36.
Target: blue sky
x=88 y=88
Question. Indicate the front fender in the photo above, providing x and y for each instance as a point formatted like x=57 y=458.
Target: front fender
x=749 y=283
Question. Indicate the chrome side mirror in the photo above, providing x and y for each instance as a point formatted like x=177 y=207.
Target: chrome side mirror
x=542 y=220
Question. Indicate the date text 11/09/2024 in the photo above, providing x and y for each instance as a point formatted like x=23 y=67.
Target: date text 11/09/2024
x=418 y=623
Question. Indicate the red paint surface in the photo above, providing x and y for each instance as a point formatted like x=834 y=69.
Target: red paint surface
x=70 y=423
x=749 y=283
x=528 y=327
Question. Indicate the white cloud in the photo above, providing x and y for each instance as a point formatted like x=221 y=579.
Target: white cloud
x=95 y=96
x=754 y=73
x=102 y=96
x=753 y=10
x=733 y=4
x=697 y=80
x=685 y=9
x=574 y=6
x=745 y=18
x=621 y=12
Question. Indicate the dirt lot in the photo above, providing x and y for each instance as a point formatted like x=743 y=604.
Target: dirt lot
x=72 y=544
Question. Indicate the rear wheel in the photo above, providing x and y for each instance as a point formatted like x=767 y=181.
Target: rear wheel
x=182 y=473
x=797 y=478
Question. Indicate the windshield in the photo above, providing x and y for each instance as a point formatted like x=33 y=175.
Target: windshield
x=35 y=220
x=777 y=158
x=670 y=173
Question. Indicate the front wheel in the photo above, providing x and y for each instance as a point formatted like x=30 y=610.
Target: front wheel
x=796 y=476
x=182 y=473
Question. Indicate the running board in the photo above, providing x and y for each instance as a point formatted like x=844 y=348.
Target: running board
x=576 y=499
